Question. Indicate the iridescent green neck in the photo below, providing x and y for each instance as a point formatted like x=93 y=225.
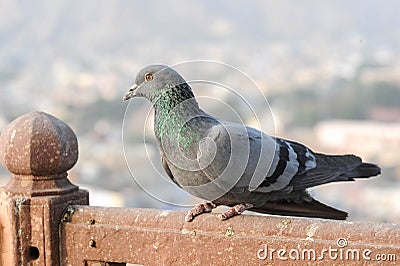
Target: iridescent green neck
x=174 y=107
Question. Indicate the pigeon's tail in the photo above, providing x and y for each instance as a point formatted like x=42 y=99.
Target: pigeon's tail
x=349 y=166
x=311 y=208
x=364 y=170
x=334 y=168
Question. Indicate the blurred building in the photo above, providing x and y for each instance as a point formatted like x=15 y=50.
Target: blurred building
x=370 y=139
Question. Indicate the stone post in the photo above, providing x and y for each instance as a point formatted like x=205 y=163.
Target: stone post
x=38 y=149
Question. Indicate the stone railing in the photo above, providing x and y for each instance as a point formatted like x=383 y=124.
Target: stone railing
x=46 y=220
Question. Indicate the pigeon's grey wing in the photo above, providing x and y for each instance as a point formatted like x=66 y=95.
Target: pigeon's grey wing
x=236 y=157
x=219 y=156
x=242 y=158
x=300 y=168
x=167 y=169
x=285 y=166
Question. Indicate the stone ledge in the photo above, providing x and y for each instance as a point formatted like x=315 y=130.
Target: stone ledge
x=149 y=236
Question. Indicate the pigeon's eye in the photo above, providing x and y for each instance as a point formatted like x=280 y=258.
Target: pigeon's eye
x=148 y=77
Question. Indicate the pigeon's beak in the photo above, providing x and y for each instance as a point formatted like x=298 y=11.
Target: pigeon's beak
x=131 y=93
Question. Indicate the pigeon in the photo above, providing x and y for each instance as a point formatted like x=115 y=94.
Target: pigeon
x=231 y=164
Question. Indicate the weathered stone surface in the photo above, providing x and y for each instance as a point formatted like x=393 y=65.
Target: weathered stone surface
x=38 y=144
x=37 y=149
x=162 y=237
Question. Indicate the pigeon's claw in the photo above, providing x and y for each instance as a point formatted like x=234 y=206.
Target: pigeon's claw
x=199 y=209
x=235 y=210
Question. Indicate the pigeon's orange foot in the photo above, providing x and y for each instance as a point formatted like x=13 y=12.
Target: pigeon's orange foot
x=235 y=210
x=199 y=209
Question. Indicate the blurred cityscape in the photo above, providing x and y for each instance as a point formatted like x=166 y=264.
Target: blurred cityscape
x=330 y=72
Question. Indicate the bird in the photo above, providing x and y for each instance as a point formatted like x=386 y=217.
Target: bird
x=231 y=164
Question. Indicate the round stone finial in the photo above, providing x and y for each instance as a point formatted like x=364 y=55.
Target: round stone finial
x=38 y=144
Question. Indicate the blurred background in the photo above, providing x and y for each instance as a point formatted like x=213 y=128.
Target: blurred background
x=330 y=71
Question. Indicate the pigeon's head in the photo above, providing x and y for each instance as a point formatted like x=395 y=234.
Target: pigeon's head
x=153 y=80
